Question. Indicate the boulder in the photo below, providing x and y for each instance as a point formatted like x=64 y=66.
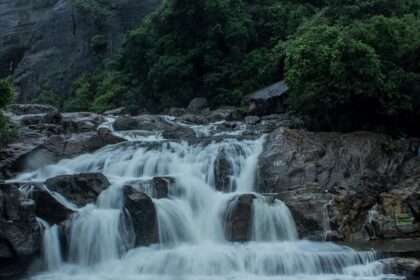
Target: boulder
x=197 y=105
x=81 y=122
x=59 y=147
x=409 y=268
x=142 y=213
x=174 y=111
x=79 y=189
x=142 y=122
x=20 y=234
x=252 y=120
x=125 y=123
x=161 y=186
x=179 y=132
x=223 y=170
x=52 y=118
x=238 y=218
x=269 y=100
x=48 y=208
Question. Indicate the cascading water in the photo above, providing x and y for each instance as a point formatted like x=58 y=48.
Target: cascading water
x=193 y=244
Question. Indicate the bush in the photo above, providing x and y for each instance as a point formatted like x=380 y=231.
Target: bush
x=6 y=91
x=7 y=134
x=46 y=95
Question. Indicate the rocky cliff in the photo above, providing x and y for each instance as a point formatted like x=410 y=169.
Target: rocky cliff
x=48 y=42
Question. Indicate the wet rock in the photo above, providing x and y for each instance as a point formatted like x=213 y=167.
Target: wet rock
x=296 y=157
x=223 y=170
x=20 y=234
x=308 y=206
x=52 y=118
x=143 y=216
x=223 y=114
x=252 y=120
x=116 y=112
x=161 y=186
x=238 y=218
x=81 y=122
x=193 y=119
x=48 y=208
x=269 y=100
x=174 y=111
x=197 y=105
x=59 y=147
x=80 y=189
x=142 y=122
x=179 y=132
x=409 y=268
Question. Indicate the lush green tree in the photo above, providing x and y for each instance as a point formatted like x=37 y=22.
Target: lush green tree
x=6 y=91
x=331 y=74
x=7 y=134
x=46 y=95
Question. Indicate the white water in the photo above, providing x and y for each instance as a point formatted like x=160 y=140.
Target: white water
x=191 y=225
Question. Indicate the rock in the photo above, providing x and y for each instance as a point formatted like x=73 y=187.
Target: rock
x=223 y=170
x=308 y=206
x=252 y=120
x=125 y=123
x=296 y=157
x=52 y=118
x=179 y=132
x=197 y=105
x=59 y=147
x=20 y=234
x=116 y=112
x=161 y=186
x=193 y=119
x=30 y=109
x=222 y=114
x=143 y=216
x=48 y=208
x=81 y=122
x=409 y=268
x=80 y=189
x=143 y=122
x=238 y=218
x=174 y=111
x=269 y=100
x=50 y=41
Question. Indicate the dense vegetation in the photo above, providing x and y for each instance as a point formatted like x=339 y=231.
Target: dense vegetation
x=7 y=134
x=350 y=60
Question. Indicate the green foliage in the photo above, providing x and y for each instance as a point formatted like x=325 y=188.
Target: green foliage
x=46 y=95
x=98 y=41
x=7 y=134
x=6 y=91
x=97 y=92
x=390 y=146
x=97 y=8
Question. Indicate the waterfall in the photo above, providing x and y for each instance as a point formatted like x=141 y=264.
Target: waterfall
x=209 y=180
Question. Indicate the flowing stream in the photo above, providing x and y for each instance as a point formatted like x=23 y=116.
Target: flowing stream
x=191 y=221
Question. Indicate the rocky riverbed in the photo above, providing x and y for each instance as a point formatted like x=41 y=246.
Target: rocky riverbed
x=342 y=187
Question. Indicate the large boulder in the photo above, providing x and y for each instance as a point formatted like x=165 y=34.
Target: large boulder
x=198 y=105
x=238 y=218
x=19 y=231
x=161 y=186
x=269 y=100
x=142 y=122
x=142 y=213
x=295 y=157
x=223 y=171
x=79 y=189
x=409 y=268
x=59 y=147
x=48 y=208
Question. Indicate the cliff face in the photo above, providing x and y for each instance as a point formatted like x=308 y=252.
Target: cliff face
x=50 y=43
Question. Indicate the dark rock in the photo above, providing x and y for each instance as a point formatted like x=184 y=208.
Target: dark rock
x=409 y=268
x=48 y=208
x=20 y=234
x=269 y=100
x=161 y=186
x=197 y=105
x=143 y=216
x=223 y=170
x=79 y=189
x=142 y=122
x=252 y=120
x=52 y=118
x=238 y=218
x=179 y=132
x=59 y=147
x=81 y=122
x=125 y=123
x=193 y=119
x=222 y=114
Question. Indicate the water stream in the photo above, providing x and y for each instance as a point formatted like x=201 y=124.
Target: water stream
x=192 y=228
